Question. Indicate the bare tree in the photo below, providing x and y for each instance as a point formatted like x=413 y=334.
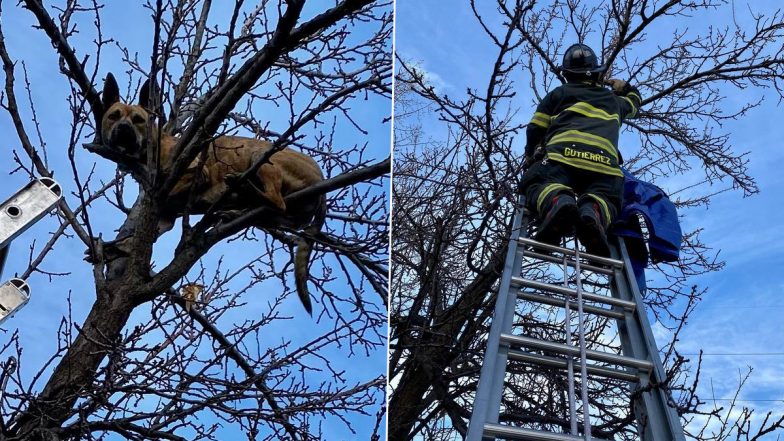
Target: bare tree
x=168 y=350
x=454 y=197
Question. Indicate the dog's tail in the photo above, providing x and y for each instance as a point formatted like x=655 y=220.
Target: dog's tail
x=302 y=256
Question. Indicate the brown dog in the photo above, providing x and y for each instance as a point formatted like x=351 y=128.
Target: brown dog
x=125 y=127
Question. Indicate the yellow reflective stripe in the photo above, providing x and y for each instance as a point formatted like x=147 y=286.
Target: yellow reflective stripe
x=546 y=191
x=541 y=119
x=585 y=138
x=543 y=116
x=590 y=111
x=635 y=95
x=634 y=108
x=585 y=165
x=539 y=123
x=604 y=206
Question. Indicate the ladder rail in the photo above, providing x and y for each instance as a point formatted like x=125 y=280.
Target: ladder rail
x=489 y=391
x=663 y=422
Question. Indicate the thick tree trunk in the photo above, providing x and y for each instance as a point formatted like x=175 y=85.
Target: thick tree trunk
x=436 y=354
x=406 y=405
x=77 y=370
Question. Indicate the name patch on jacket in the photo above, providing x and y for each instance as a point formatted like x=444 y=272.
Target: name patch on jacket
x=593 y=157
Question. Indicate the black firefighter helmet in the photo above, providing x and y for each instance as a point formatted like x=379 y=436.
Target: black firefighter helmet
x=580 y=59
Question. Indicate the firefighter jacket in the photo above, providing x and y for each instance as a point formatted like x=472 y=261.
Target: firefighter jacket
x=579 y=124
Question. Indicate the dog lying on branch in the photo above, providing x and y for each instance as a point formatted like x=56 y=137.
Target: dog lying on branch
x=212 y=180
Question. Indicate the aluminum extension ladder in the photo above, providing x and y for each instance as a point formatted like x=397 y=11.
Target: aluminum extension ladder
x=18 y=213
x=640 y=365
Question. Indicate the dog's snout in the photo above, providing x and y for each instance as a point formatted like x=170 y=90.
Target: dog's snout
x=124 y=135
x=125 y=131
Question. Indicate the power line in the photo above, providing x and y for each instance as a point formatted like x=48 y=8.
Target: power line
x=744 y=400
x=740 y=307
x=739 y=354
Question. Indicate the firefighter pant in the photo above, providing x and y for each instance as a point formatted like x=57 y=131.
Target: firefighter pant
x=542 y=181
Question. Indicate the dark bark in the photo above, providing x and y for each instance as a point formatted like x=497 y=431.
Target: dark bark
x=73 y=376
x=437 y=350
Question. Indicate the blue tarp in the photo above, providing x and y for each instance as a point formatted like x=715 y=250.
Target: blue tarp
x=661 y=219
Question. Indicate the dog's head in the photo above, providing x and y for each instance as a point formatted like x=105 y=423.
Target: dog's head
x=124 y=126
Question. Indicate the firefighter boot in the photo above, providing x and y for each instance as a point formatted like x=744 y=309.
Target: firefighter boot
x=591 y=229
x=557 y=219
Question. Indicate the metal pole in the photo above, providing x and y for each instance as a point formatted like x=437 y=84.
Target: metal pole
x=569 y=359
x=581 y=334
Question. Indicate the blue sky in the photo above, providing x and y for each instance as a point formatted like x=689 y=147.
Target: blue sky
x=741 y=312
x=37 y=324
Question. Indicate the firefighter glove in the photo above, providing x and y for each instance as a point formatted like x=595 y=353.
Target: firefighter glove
x=618 y=86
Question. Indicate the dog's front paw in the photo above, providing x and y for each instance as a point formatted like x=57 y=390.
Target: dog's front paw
x=232 y=179
x=94 y=255
x=106 y=251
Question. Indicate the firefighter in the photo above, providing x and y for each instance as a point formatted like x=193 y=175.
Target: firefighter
x=573 y=177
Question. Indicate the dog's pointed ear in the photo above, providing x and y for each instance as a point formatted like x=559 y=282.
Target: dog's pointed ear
x=144 y=95
x=111 y=92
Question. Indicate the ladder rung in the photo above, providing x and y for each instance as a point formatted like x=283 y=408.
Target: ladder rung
x=643 y=365
x=510 y=432
x=554 y=301
x=612 y=301
x=592 y=257
x=26 y=206
x=560 y=363
x=570 y=262
x=14 y=294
